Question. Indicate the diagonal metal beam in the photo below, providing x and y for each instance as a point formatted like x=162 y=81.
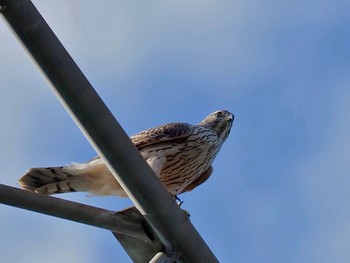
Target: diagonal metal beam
x=128 y=226
x=105 y=133
x=73 y=211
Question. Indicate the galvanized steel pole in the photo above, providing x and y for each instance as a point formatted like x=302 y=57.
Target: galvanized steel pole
x=105 y=133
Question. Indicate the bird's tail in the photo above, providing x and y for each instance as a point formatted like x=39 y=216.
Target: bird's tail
x=51 y=180
x=93 y=177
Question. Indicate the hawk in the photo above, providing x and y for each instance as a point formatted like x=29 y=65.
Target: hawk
x=180 y=154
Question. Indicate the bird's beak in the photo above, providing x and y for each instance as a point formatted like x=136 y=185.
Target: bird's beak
x=230 y=117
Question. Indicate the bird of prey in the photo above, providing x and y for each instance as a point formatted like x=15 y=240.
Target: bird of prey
x=180 y=154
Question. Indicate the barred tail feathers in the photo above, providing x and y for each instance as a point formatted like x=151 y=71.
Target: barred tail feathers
x=51 y=180
x=93 y=177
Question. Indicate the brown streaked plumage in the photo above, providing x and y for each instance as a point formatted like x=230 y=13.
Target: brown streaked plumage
x=180 y=154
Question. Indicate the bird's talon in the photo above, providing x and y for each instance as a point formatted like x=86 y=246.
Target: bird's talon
x=186 y=213
x=178 y=201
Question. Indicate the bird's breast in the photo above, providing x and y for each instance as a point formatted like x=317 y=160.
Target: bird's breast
x=185 y=161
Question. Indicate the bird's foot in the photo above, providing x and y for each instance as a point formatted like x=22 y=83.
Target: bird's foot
x=186 y=213
x=179 y=202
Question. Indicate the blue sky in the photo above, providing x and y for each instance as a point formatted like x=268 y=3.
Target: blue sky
x=280 y=188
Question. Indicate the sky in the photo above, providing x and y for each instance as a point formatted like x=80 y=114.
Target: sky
x=280 y=187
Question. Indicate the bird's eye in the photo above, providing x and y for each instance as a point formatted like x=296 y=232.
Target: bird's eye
x=219 y=114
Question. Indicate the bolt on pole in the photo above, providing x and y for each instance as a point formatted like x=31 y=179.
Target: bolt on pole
x=104 y=133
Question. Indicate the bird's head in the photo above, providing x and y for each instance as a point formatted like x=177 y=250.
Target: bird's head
x=219 y=121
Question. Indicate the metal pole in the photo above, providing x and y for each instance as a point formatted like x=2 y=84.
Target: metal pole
x=105 y=133
x=70 y=210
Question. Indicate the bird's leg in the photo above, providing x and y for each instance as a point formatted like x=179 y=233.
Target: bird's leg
x=156 y=164
x=178 y=201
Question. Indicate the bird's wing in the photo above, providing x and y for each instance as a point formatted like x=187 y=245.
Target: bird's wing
x=163 y=133
x=201 y=179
